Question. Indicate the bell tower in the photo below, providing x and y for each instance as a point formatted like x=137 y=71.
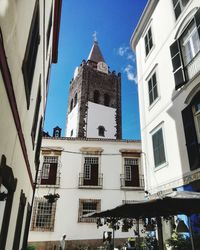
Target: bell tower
x=94 y=106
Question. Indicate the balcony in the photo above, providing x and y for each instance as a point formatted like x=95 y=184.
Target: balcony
x=53 y=180
x=96 y=182
x=193 y=67
x=137 y=183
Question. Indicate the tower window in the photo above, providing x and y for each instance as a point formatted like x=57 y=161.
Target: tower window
x=106 y=100
x=101 y=131
x=75 y=99
x=71 y=105
x=96 y=96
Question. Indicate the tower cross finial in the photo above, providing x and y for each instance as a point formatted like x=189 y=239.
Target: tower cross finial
x=95 y=36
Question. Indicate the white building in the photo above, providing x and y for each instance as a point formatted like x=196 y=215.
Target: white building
x=89 y=174
x=28 y=45
x=167 y=45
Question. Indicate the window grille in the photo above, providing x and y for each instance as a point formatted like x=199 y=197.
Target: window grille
x=43 y=215
x=88 y=206
x=50 y=159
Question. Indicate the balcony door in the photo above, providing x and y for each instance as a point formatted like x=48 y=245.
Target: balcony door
x=91 y=170
x=131 y=172
x=49 y=170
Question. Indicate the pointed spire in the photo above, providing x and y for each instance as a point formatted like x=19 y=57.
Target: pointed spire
x=95 y=52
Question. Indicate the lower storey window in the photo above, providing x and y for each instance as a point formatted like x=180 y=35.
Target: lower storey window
x=88 y=206
x=43 y=215
x=158 y=148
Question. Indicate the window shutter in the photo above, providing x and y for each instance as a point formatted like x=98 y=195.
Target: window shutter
x=191 y=138
x=178 y=69
x=197 y=21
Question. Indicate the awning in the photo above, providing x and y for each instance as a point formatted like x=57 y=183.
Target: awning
x=171 y=204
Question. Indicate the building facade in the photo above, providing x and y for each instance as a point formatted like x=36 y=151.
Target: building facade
x=167 y=45
x=88 y=175
x=28 y=46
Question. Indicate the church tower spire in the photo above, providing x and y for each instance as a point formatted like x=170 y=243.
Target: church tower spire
x=95 y=53
x=94 y=104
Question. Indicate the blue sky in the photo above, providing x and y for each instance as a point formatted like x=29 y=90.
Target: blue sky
x=114 y=22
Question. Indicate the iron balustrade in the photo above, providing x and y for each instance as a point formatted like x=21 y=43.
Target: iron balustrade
x=96 y=182
x=47 y=181
x=133 y=183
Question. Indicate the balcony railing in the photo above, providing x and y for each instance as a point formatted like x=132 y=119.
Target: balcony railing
x=193 y=67
x=95 y=182
x=136 y=183
x=53 y=181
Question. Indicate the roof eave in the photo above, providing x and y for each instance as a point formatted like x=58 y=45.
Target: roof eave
x=56 y=29
x=144 y=19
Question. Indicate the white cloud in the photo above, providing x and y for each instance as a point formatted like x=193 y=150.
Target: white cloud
x=129 y=70
x=126 y=52
x=122 y=50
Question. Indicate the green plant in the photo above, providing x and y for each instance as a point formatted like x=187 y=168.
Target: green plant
x=179 y=242
x=31 y=248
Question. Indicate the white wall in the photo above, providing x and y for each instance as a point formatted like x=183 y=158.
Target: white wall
x=167 y=109
x=100 y=115
x=72 y=122
x=110 y=195
x=15 y=22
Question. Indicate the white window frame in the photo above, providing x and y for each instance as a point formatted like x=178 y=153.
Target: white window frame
x=88 y=160
x=150 y=78
x=45 y=171
x=148 y=41
x=188 y=38
x=179 y=2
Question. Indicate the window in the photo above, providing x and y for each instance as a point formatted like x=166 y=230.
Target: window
x=29 y=61
x=38 y=145
x=196 y=109
x=152 y=88
x=72 y=132
x=36 y=114
x=96 y=96
x=71 y=105
x=49 y=27
x=88 y=206
x=101 y=131
x=158 y=148
x=131 y=172
x=185 y=53
x=49 y=170
x=75 y=99
x=191 y=123
x=190 y=43
x=106 y=100
x=43 y=215
x=179 y=5
x=148 y=41
x=91 y=171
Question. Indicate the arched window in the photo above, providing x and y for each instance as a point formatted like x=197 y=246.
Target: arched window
x=101 y=131
x=96 y=96
x=75 y=99
x=106 y=100
x=71 y=105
